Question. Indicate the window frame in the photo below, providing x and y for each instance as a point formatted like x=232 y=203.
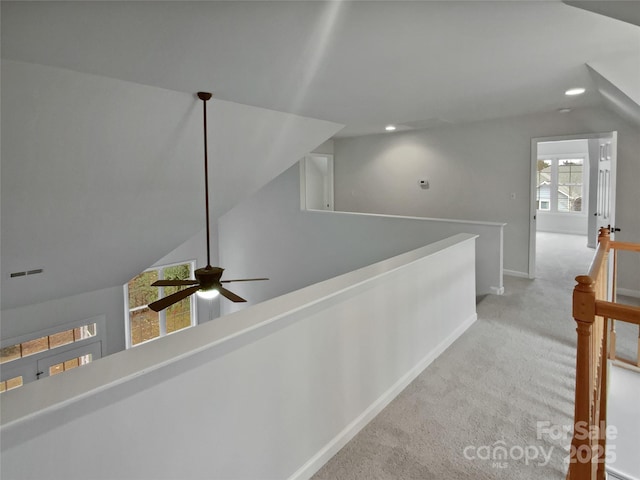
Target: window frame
x=27 y=367
x=554 y=184
x=162 y=315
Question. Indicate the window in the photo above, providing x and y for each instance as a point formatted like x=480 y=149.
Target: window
x=143 y=324
x=47 y=342
x=69 y=364
x=23 y=358
x=11 y=383
x=560 y=185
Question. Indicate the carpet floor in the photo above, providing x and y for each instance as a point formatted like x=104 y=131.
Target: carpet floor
x=507 y=382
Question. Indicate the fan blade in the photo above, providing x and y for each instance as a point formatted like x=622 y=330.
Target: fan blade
x=173 y=298
x=173 y=283
x=230 y=295
x=243 y=280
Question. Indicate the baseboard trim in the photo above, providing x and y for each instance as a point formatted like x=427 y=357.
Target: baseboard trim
x=628 y=292
x=497 y=290
x=330 y=449
x=514 y=273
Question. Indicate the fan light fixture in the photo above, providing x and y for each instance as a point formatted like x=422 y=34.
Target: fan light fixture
x=208 y=283
x=575 y=91
x=208 y=294
x=390 y=128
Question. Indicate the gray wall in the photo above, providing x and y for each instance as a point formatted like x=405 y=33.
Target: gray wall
x=473 y=169
x=268 y=235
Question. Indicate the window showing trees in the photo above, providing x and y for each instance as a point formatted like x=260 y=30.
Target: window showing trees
x=560 y=184
x=47 y=342
x=143 y=324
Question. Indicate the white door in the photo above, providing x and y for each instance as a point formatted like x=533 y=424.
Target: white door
x=69 y=359
x=605 y=211
x=316 y=182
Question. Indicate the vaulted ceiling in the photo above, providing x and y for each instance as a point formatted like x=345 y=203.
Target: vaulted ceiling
x=362 y=64
x=101 y=177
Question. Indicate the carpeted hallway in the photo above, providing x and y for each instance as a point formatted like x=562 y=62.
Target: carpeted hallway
x=512 y=369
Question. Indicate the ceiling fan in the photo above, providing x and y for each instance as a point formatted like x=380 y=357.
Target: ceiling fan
x=208 y=283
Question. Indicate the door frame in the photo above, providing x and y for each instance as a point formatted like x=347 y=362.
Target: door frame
x=532 y=184
x=303 y=180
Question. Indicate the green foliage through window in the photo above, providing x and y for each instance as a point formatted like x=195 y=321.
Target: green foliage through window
x=144 y=323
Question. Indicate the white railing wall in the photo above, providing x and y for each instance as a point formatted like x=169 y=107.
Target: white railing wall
x=272 y=391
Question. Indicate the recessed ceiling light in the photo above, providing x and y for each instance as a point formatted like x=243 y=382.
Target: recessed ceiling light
x=390 y=128
x=564 y=110
x=575 y=91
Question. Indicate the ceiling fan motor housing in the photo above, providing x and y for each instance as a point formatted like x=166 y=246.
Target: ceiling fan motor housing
x=209 y=276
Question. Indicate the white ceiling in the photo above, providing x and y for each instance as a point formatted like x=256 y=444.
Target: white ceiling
x=363 y=64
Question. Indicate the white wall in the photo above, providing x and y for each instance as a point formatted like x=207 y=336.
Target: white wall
x=473 y=168
x=54 y=313
x=270 y=392
x=268 y=235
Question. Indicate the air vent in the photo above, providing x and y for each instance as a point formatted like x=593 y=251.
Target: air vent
x=25 y=273
x=425 y=124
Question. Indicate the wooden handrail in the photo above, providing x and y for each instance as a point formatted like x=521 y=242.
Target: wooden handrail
x=631 y=247
x=594 y=309
x=624 y=313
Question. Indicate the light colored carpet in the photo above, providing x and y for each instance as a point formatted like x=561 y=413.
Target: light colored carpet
x=513 y=368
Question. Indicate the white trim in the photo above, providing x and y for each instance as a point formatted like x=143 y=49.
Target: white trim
x=497 y=290
x=628 y=292
x=162 y=318
x=614 y=474
x=27 y=366
x=303 y=183
x=330 y=178
x=533 y=206
x=514 y=273
x=99 y=320
x=554 y=186
x=430 y=219
x=334 y=445
x=532 y=186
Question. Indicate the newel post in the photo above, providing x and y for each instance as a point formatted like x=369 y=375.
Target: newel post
x=584 y=310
